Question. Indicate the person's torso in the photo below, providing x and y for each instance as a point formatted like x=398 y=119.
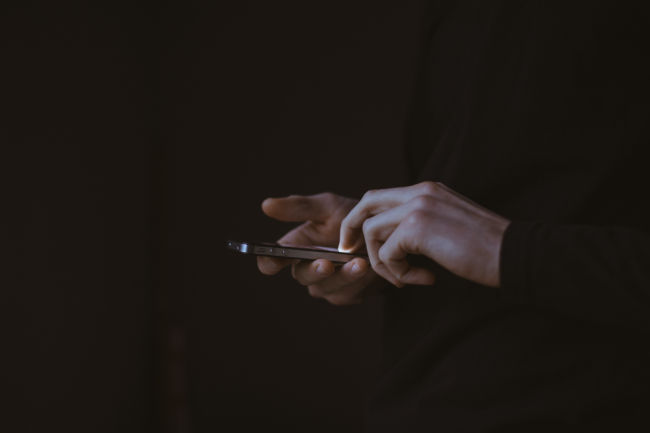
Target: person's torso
x=538 y=111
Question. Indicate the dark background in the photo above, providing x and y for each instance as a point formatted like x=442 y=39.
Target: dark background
x=135 y=139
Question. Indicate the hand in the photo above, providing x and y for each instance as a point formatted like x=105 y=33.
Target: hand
x=428 y=219
x=321 y=215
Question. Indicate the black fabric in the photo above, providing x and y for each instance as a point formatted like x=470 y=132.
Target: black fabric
x=601 y=274
x=538 y=111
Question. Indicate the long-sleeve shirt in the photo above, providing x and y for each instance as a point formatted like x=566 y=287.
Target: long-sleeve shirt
x=539 y=111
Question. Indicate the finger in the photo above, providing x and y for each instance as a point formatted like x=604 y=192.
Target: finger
x=296 y=236
x=298 y=208
x=271 y=265
x=306 y=272
x=383 y=272
x=373 y=247
x=372 y=203
x=418 y=276
x=353 y=293
x=299 y=236
x=379 y=228
x=393 y=255
x=347 y=275
x=394 y=251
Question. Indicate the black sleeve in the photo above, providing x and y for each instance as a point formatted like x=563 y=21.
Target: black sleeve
x=594 y=273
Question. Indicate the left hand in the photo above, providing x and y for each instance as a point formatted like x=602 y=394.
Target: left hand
x=428 y=219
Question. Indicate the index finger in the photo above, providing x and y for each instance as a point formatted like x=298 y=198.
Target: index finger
x=372 y=203
x=298 y=208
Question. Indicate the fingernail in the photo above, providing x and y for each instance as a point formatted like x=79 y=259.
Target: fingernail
x=355 y=268
x=320 y=269
x=342 y=248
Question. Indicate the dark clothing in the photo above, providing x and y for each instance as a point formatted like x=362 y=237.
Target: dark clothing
x=539 y=111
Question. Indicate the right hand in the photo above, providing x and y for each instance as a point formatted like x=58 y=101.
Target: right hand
x=321 y=215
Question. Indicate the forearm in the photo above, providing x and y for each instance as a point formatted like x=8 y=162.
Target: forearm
x=600 y=274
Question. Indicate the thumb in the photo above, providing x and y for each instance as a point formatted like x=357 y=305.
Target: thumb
x=297 y=208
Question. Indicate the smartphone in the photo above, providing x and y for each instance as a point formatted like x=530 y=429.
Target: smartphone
x=293 y=252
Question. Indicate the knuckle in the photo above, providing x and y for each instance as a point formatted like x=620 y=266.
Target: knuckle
x=379 y=266
x=368 y=194
x=384 y=258
x=423 y=202
x=416 y=218
x=374 y=261
x=327 y=196
x=428 y=187
x=367 y=228
x=399 y=278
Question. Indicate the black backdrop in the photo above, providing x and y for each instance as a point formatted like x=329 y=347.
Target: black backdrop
x=136 y=138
